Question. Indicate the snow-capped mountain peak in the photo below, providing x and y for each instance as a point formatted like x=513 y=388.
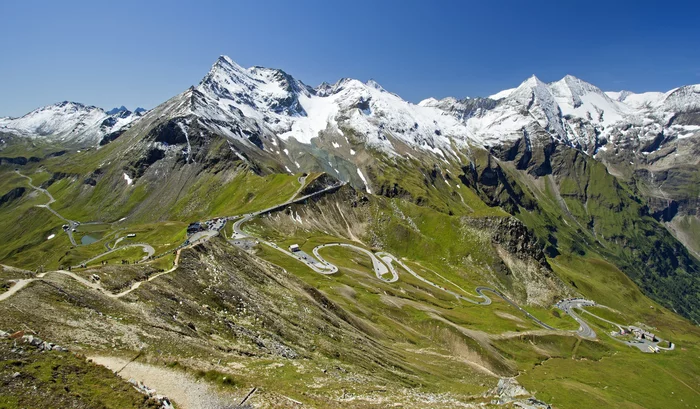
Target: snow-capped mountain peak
x=287 y=108
x=541 y=103
x=532 y=88
x=67 y=121
x=261 y=104
x=374 y=84
x=255 y=91
x=581 y=99
x=429 y=102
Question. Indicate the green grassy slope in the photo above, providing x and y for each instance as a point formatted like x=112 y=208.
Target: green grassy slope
x=34 y=379
x=579 y=208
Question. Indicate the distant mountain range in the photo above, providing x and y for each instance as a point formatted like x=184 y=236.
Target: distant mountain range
x=570 y=110
x=70 y=122
x=641 y=137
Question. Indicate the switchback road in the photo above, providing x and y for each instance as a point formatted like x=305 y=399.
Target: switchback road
x=382 y=265
x=71 y=223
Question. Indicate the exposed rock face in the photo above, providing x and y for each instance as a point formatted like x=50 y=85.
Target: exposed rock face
x=666 y=171
x=150 y=157
x=531 y=153
x=495 y=187
x=111 y=136
x=12 y=195
x=318 y=184
x=18 y=160
x=510 y=392
x=517 y=239
x=528 y=275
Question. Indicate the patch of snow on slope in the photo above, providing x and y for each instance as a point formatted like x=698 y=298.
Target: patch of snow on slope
x=129 y=181
x=183 y=128
x=359 y=172
x=643 y=100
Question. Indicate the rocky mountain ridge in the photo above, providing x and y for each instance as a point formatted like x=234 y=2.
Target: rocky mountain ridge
x=570 y=110
x=70 y=123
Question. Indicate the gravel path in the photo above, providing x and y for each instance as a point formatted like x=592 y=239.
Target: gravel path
x=186 y=391
x=21 y=283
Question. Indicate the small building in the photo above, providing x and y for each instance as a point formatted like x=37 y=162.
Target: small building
x=642 y=334
x=294 y=248
x=130 y=235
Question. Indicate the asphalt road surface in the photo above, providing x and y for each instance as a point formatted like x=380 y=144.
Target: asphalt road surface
x=238 y=233
x=147 y=248
x=71 y=223
x=568 y=305
x=380 y=269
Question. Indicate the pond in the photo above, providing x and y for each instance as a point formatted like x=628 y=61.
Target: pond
x=86 y=239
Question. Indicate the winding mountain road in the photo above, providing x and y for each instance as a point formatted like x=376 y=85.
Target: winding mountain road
x=382 y=265
x=147 y=248
x=568 y=306
x=380 y=269
x=238 y=233
x=71 y=223
x=388 y=258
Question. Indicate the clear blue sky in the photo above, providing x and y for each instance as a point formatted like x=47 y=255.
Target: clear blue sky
x=109 y=53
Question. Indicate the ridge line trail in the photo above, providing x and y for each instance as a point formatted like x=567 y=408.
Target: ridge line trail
x=19 y=284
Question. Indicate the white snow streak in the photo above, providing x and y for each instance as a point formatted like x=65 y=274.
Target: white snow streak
x=189 y=147
x=359 y=172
